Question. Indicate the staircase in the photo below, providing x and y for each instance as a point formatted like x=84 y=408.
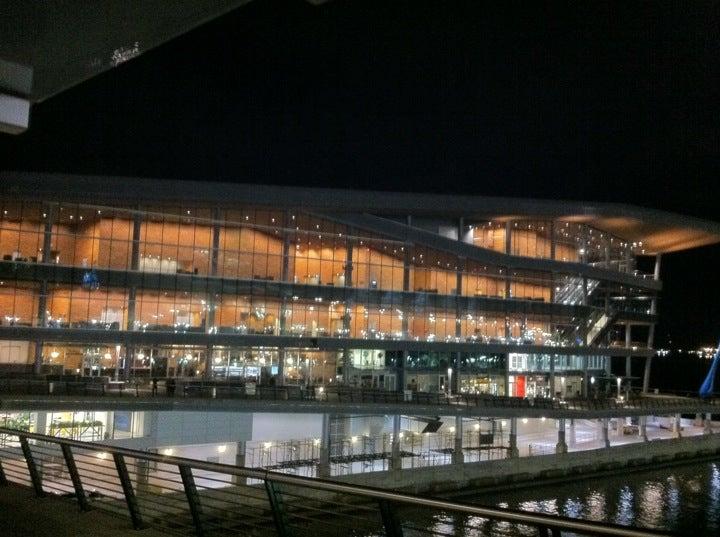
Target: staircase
x=597 y=324
x=571 y=290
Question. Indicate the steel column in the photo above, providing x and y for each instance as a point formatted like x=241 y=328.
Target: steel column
x=395 y=457
x=323 y=470
x=605 y=433
x=561 y=446
x=457 y=456
x=75 y=477
x=513 y=451
x=128 y=491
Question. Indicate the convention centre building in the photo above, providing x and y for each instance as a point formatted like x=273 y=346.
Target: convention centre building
x=133 y=277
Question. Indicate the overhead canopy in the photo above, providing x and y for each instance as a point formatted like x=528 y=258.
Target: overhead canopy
x=65 y=42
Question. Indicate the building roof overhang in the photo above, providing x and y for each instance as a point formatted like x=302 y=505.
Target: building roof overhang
x=659 y=231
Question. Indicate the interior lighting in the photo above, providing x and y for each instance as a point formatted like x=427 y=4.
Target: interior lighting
x=222 y=448
x=168 y=451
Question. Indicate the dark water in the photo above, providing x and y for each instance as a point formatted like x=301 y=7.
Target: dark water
x=682 y=499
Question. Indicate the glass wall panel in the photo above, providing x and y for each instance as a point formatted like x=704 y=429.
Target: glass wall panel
x=18 y=303
x=21 y=231
x=76 y=307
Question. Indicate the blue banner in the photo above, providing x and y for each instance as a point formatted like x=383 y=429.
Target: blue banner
x=708 y=385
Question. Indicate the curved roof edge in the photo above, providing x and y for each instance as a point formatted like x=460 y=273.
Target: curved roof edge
x=660 y=231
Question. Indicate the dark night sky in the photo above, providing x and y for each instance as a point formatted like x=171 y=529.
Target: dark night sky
x=607 y=102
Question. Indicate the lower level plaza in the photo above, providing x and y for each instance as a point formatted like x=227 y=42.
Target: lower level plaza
x=326 y=445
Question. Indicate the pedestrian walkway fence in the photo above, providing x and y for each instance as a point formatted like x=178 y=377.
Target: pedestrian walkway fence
x=189 y=497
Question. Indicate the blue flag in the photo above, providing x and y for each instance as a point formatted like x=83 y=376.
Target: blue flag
x=708 y=385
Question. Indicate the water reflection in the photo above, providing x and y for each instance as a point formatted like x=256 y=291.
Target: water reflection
x=682 y=499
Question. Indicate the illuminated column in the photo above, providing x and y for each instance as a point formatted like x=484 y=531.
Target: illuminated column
x=132 y=291
x=323 y=470
x=458 y=456
x=240 y=461
x=651 y=329
x=676 y=429
x=605 y=435
x=50 y=211
x=561 y=446
x=347 y=317
x=513 y=449
x=642 y=427
x=395 y=455
x=628 y=357
x=455 y=380
x=208 y=361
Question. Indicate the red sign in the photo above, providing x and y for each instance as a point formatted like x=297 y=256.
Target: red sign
x=520 y=386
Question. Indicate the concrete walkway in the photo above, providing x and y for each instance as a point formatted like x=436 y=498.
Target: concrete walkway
x=24 y=515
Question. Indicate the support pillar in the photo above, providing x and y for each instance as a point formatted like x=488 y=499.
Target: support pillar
x=605 y=433
x=572 y=441
x=395 y=454
x=458 y=457
x=642 y=428
x=455 y=380
x=628 y=357
x=347 y=317
x=708 y=424
x=677 y=426
x=586 y=378
x=208 y=374
x=561 y=446
x=552 y=376
x=323 y=470
x=513 y=451
x=651 y=329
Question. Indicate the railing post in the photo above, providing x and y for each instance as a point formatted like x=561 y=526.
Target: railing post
x=3 y=477
x=32 y=468
x=393 y=527
x=278 y=509
x=192 y=497
x=128 y=491
x=75 y=477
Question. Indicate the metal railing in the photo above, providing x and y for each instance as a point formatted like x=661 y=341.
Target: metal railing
x=185 y=497
x=229 y=390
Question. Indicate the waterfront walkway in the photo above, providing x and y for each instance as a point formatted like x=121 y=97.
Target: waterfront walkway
x=353 y=401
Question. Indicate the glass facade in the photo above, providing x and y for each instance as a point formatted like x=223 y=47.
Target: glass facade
x=250 y=272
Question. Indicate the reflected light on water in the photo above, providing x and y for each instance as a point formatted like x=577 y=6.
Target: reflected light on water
x=651 y=505
x=625 y=511
x=596 y=507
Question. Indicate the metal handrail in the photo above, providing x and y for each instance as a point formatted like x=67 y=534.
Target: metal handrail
x=385 y=497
